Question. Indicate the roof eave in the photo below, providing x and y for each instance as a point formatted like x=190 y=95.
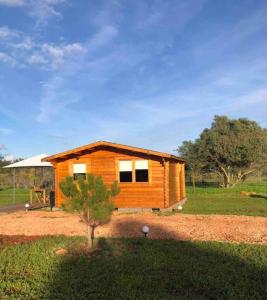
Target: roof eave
x=114 y=145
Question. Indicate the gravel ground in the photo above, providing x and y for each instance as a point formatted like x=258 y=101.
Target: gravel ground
x=181 y=227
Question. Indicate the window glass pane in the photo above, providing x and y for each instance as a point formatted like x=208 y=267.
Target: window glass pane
x=125 y=165
x=79 y=175
x=79 y=168
x=141 y=164
x=126 y=176
x=141 y=175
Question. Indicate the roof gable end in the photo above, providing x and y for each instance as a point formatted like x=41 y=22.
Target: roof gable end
x=92 y=146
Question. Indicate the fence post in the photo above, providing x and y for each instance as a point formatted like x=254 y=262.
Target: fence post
x=14 y=185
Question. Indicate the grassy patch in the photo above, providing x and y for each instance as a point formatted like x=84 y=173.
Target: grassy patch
x=6 y=196
x=133 y=269
x=212 y=200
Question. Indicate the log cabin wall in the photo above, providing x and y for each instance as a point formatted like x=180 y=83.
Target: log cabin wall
x=176 y=182
x=106 y=163
x=164 y=188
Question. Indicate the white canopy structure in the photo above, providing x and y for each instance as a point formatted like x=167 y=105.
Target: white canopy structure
x=32 y=162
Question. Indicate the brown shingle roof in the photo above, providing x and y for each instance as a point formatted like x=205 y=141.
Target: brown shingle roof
x=112 y=145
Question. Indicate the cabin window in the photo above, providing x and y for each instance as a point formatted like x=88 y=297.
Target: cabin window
x=126 y=170
x=79 y=171
x=141 y=171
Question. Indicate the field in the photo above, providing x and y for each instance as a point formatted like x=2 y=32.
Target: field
x=6 y=196
x=132 y=269
x=214 y=200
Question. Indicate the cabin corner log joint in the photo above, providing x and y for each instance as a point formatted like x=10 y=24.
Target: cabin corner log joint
x=147 y=178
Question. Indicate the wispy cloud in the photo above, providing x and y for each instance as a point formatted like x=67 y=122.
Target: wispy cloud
x=11 y=3
x=55 y=98
x=23 y=50
x=7 y=59
x=44 y=10
x=231 y=35
x=102 y=37
x=56 y=95
x=164 y=13
x=6 y=32
x=41 y=11
x=6 y=131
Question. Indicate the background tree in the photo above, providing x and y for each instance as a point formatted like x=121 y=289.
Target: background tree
x=91 y=199
x=233 y=148
x=190 y=152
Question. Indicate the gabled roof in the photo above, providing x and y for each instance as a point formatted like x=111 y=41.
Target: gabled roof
x=35 y=161
x=92 y=146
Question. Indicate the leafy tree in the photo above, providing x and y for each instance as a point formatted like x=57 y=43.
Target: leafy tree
x=233 y=148
x=190 y=152
x=91 y=199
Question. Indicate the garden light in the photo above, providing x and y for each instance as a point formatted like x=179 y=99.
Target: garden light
x=145 y=230
x=180 y=207
x=27 y=205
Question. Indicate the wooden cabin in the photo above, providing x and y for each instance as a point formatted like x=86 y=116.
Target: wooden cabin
x=147 y=178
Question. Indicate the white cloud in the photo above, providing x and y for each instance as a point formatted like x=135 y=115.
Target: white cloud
x=102 y=37
x=56 y=97
x=56 y=55
x=37 y=59
x=43 y=10
x=21 y=50
x=25 y=44
x=40 y=10
x=73 y=58
x=5 y=58
x=6 y=131
x=12 y=2
x=6 y=32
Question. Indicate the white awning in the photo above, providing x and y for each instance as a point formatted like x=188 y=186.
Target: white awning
x=34 y=161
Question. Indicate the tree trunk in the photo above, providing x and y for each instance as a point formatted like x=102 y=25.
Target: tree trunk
x=226 y=183
x=89 y=237
x=93 y=235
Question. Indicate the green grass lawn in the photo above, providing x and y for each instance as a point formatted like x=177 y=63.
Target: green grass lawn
x=212 y=200
x=6 y=196
x=133 y=269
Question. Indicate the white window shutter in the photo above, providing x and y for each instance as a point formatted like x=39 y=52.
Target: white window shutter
x=126 y=165
x=141 y=164
x=79 y=168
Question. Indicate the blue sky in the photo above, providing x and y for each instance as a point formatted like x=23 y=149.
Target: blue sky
x=143 y=73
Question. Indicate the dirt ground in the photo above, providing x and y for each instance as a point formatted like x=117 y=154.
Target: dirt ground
x=179 y=226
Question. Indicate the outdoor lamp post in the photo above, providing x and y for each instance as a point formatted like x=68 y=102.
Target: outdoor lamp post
x=145 y=230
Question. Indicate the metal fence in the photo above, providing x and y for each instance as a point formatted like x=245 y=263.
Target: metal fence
x=9 y=196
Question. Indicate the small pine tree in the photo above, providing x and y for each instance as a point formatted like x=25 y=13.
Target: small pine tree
x=91 y=199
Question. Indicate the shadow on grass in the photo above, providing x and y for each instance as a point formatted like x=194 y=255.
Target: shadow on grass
x=204 y=184
x=140 y=268
x=259 y=196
